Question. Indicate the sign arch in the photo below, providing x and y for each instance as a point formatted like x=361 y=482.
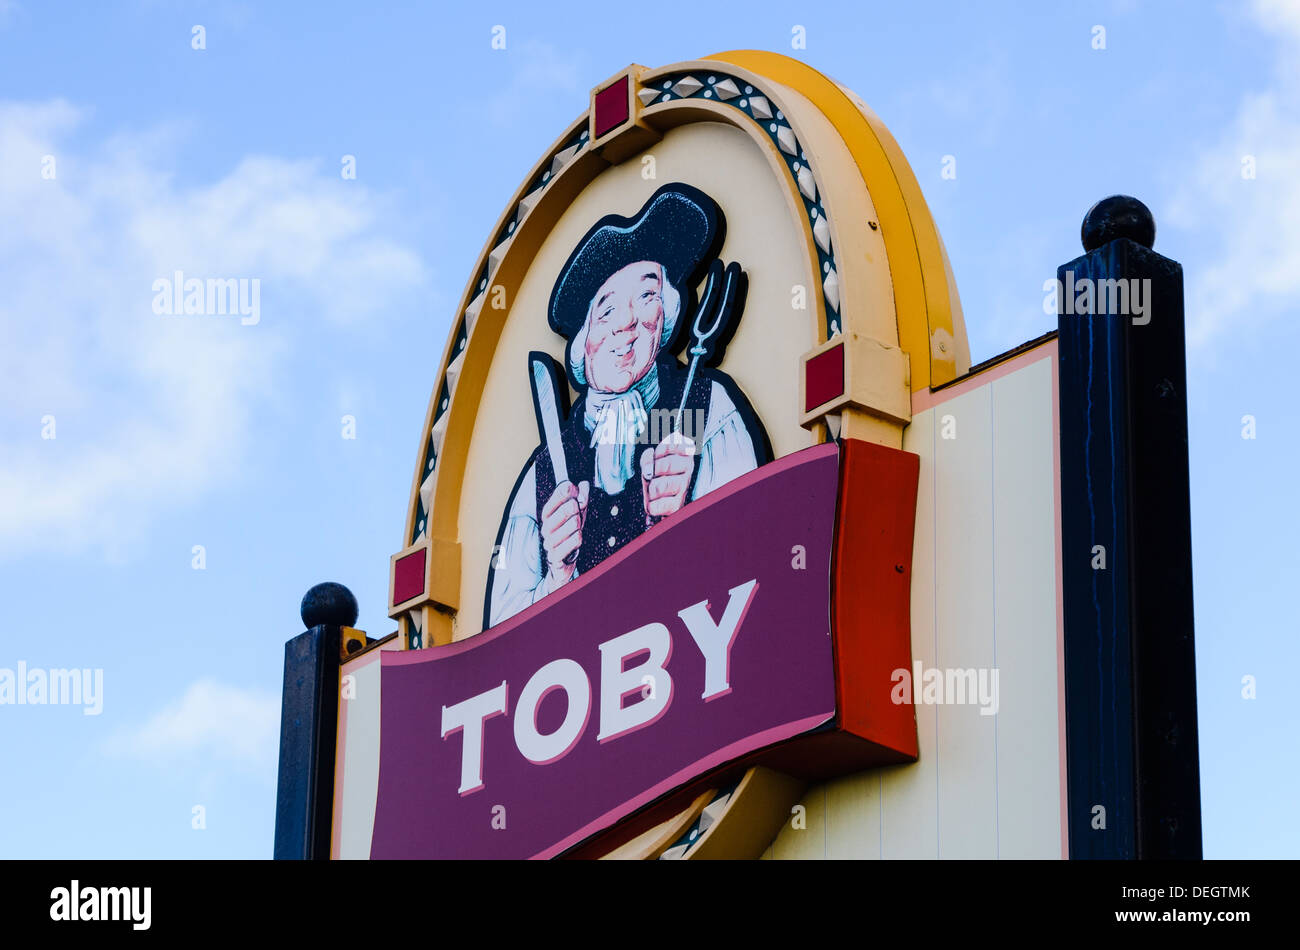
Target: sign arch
x=884 y=288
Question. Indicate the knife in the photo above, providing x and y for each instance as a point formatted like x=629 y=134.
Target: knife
x=546 y=403
x=548 y=414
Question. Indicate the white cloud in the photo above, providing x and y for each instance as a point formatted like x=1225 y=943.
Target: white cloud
x=1279 y=15
x=150 y=411
x=218 y=723
x=1253 y=225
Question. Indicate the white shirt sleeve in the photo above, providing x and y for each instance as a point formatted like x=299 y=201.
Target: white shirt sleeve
x=728 y=450
x=519 y=580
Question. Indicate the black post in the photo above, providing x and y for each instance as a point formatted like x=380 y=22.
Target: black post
x=308 y=722
x=1130 y=668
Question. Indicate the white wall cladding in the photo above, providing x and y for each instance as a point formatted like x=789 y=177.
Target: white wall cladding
x=984 y=595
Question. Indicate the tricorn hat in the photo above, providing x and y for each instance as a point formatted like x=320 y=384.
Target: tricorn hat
x=679 y=227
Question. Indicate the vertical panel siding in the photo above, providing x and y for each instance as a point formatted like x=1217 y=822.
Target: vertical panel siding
x=357 y=765
x=963 y=474
x=1029 y=789
x=984 y=566
x=853 y=816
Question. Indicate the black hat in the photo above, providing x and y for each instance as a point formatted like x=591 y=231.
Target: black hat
x=680 y=227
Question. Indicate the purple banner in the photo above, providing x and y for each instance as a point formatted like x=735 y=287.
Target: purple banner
x=703 y=640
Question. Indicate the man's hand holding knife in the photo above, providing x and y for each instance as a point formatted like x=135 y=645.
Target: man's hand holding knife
x=566 y=509
x=562 y=518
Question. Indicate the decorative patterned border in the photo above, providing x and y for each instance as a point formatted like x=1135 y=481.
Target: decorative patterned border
x=742 y=96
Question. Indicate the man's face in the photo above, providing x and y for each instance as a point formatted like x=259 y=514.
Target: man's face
x=623 y=338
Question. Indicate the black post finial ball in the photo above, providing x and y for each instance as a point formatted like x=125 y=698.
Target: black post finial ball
x=329 y=604
x=1118 y=216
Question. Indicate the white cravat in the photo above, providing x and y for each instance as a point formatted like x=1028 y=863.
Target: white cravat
x=618 y=423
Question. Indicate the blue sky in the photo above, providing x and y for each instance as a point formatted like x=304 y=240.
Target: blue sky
x=226 y=161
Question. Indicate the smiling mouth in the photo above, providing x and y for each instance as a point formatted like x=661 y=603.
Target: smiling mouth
x=620 y=352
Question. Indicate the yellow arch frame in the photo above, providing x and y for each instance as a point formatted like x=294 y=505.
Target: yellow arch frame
x=918 y=313
x=911 y=328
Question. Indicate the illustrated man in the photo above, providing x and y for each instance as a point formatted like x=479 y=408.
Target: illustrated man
x=622 y=301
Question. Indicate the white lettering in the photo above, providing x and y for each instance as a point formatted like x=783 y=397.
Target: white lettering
x=618 y=684
x=715 y=640
x=558 y=674
x=467 y=717
x=103 y=903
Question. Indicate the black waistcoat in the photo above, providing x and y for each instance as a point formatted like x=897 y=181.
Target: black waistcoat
x=614 y=520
